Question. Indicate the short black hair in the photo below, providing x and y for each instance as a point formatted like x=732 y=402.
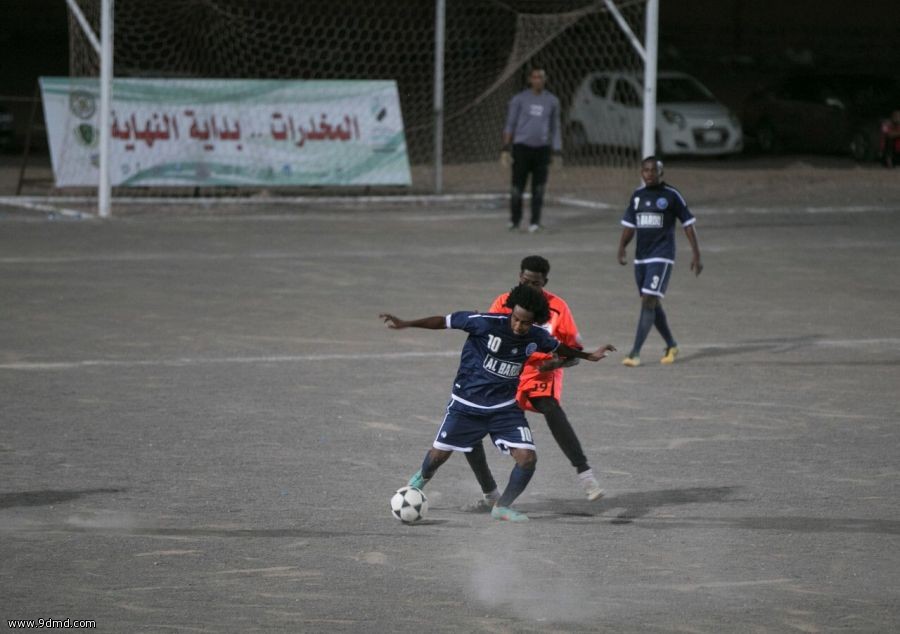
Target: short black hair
x=536 y=264
x=531 y=299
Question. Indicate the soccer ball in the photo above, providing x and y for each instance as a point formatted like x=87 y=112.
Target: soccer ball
x=409 y=504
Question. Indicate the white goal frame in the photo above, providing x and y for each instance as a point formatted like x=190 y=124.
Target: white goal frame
x=648 y=51
x=104 y=49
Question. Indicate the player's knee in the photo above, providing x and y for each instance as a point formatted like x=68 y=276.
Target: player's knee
x=515 y=193
x=545 y=405
x=438 y=456
x=526 y=459
x=650 y=301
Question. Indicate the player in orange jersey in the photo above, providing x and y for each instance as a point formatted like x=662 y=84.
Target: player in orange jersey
x=540 y=388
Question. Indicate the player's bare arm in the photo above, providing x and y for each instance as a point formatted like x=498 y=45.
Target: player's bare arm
x=624 y=240
x=600 y=353
x=438 y=322
x=558 y=362
x=696 y=264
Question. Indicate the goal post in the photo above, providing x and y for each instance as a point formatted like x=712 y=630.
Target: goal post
x=103 y=48
x=453 y=88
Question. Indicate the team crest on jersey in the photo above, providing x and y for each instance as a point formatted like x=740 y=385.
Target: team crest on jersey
x=514 y=351
x=530 y=348
x=661 y=203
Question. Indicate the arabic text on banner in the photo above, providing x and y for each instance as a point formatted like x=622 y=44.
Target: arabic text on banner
x=207 y=132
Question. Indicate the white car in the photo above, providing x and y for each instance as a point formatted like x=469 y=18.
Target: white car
x=607 y=111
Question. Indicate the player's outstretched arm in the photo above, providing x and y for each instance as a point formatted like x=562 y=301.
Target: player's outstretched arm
x=565 y=351
x=558 y=362
x=437 y=322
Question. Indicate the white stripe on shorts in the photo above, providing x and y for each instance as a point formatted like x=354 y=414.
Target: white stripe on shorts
x=465 y=402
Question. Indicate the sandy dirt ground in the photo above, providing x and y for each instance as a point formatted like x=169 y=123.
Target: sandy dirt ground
x=203 y=418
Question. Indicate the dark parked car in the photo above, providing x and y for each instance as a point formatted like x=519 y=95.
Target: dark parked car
x=822 y=113
x=7 y=133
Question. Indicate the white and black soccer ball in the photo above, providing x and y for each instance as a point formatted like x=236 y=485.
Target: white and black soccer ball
x=409 y=504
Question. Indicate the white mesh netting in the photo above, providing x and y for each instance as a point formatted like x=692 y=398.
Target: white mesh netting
x=490 y=45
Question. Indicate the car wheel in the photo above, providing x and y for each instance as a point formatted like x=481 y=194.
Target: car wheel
x=767 y=139
x=576 y=139
x=861 y=147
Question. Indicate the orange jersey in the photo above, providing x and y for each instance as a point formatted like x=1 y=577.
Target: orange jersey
x=533 y=383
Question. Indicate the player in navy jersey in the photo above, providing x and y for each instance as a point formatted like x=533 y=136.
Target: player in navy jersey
x=651 y=215
x=483 y=398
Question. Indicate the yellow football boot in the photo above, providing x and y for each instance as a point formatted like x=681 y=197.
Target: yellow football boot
x=670 y=355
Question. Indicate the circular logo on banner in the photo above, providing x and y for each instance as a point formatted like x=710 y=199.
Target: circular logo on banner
x=661 y=203
x=82 y=104
x=530 y=348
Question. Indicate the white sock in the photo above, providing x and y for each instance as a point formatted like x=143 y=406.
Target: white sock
x=584 y=476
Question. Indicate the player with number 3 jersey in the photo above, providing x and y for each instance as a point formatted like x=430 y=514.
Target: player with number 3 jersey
x=651 y=214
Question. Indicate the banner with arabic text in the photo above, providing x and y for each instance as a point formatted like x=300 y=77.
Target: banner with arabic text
x=212 y=132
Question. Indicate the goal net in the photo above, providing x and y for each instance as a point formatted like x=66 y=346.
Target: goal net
x=489 y=47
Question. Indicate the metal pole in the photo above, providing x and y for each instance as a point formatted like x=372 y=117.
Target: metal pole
x=104 y=190
x=440 y=12
x=27 y=149
x=651 y=47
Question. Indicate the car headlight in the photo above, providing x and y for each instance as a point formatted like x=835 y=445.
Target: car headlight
x=675 y=118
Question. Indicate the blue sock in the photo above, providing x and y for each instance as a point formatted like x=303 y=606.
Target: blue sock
x=662 y=325
x=518 y=480
x=645 y=323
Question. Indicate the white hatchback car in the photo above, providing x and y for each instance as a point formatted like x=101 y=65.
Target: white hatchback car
x=607 y=111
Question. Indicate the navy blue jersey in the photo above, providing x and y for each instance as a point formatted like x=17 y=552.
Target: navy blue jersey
x=652 y=215
x=492 y=359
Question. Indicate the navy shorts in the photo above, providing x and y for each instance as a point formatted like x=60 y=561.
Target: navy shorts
x=462 y=429
x=653 y=277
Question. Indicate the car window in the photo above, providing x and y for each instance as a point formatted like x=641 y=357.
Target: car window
x=811 y=90
x=681 y=89
x=798 y=89
x=859 y=94
x=869 y=94
x=626 y=94
x=600 y=86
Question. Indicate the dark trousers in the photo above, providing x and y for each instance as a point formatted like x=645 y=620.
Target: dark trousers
x=562 y=431
x=534 y=161
x=891 y=153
